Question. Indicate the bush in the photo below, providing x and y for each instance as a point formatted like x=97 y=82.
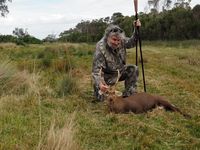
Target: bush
x=67 y=85
x=7 y=39
x=46 y=62
x=31 y=40
x=20 y=42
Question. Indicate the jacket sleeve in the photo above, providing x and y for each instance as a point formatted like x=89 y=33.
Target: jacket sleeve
x=98 y=64
x=130 y=42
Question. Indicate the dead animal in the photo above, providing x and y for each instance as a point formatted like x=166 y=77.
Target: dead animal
x=139 y=103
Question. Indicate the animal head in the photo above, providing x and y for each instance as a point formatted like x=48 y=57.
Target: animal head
x=111 y=89
x=110 y=101
x=111 y=93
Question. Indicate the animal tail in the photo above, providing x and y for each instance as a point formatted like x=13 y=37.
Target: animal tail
x=170 y=107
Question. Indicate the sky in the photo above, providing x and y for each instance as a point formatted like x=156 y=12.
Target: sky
x=43 y=17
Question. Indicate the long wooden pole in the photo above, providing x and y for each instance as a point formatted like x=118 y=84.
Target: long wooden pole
x=138 y=39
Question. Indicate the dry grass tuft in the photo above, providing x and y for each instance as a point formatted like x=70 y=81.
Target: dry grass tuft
x=61 y=138
x=8 y=76
x=13 y=81
x=63 y=65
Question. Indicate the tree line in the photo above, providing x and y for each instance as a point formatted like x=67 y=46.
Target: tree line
x=179 y=23
x=20 y=37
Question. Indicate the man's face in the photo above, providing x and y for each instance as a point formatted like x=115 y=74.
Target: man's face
x=114 y=41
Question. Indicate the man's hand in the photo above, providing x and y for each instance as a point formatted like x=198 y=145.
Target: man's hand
x=137 y=23
x=103 y=87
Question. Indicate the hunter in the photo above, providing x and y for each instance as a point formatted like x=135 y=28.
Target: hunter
x=110 y=59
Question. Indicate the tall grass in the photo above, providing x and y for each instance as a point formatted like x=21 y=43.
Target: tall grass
x=11 y=80
x=67 y=85
x=61 y=138
x=171 y=70
x=64 y=64
x=174 y=44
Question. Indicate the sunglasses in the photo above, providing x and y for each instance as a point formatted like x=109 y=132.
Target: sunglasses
x=116 y=30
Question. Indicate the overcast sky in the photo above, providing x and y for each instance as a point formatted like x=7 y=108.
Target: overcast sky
x=43 y=17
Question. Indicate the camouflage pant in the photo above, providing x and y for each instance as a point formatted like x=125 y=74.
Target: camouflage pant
x=129 y=74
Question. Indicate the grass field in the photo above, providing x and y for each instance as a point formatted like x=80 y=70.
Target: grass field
x=46 y=99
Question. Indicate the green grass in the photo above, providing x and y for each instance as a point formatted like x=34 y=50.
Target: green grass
x=57 y=109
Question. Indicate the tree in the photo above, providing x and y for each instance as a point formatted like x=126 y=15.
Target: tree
x=183 y=3
x=7 y=38
x=116 y=18
x=20 y=32
x=196 y=22
x=3 y=7
x=178 y=23
x=154 y=4
x=166 y=4
x=196 y=12
x=85 y=31
x=50 y=38
x=24 y=38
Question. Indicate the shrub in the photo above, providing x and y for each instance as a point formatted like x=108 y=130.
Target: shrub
x=20 y=42
x=67 y=85
x=46 y=62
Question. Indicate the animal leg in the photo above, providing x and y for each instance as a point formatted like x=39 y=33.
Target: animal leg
x=171 y=107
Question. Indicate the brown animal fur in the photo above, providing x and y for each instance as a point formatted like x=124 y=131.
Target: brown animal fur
x=139 y=103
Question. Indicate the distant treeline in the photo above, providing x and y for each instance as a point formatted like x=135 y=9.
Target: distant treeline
x=19 y=40
x=176 y=24
x=22 y=37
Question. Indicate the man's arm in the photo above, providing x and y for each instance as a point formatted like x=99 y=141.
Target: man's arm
x=130 y=42
x=98 y=64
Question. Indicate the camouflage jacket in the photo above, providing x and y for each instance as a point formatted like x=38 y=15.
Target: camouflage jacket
x=108 y=59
